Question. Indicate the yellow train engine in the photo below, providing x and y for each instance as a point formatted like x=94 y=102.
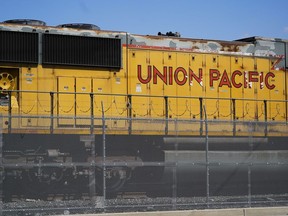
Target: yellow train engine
x=77 y=101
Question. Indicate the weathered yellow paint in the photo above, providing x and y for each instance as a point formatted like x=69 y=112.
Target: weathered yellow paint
x=277 y=108
x=249 y=98
x=82 y=99
x=66 y=100
x=72 y=89
x=140 y=106
x=237 y=63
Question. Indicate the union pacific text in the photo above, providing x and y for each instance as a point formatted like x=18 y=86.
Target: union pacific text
x=217 y=78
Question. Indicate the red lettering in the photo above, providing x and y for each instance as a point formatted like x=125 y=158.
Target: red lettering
x=140 y=78
x=238 y=73
x=225 y=80
x=193 y=75
x=170 y=76
x=252 y=75
x=176 y=76
x=156 y=73
x=214 y=75
x=180 y=77
x=268 y=75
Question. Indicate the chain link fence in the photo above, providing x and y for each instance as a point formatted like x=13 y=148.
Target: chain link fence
x=64 y=153
x=170 y=172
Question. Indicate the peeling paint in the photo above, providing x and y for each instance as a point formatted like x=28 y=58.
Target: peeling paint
x=255 y=46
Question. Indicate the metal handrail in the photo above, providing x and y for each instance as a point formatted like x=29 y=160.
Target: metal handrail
x=142 y=95
x=129 y=109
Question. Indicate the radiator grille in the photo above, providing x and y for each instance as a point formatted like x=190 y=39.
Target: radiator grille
x=81 y=51
x=20 y=47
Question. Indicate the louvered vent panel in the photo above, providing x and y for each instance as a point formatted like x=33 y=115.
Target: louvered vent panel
x=81 y=51
x=18 y=47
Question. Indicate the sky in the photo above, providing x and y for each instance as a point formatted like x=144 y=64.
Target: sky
x=202 y=19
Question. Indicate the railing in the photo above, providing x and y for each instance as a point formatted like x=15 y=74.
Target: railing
x=56 y=110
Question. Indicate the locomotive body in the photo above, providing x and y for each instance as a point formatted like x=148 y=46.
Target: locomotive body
x=75 y=97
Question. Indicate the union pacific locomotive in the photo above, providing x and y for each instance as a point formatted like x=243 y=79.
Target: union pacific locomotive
x=77 y=102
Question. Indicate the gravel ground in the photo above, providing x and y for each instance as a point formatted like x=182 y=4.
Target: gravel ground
x=39 y=208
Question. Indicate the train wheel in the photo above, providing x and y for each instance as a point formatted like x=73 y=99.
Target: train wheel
x=41 y=181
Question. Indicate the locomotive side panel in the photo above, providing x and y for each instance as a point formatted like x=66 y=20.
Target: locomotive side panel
x=173 y=82
x=277 y=107
x=237 y=65
x=156 y=104
x=240 y=88
x=71 y=90
x=197 y=83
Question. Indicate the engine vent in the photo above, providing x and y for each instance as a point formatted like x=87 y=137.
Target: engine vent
x=80 y=26
x=81 y=51
x=26 y=22
x=18 y=47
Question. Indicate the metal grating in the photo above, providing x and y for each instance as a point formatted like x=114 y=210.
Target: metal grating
x=20 y=47
x=81 y=51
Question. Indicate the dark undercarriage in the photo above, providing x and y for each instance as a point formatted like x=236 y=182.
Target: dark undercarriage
x=47 y=166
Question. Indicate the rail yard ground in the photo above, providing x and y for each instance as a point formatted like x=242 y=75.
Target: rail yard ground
x=275 y=211
x=238 y=206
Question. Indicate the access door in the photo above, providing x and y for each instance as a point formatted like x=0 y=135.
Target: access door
x=66 y=108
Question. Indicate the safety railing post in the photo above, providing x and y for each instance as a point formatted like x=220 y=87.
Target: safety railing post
x=265 y=117
x=234 y=116
x=104 y=153
x=129 y=107
x=166 y=114
x=92 y=173
x=9 y=112
x=51 y=112
x=175 y=167
x=207 y=159
x=201 y=115
x=91 y=112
